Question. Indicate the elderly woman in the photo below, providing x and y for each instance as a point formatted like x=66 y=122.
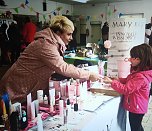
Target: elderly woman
x=42 y=58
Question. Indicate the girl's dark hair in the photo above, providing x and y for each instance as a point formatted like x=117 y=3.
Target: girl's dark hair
x=144 y=53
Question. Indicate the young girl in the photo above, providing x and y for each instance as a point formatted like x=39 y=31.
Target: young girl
x=135 y=88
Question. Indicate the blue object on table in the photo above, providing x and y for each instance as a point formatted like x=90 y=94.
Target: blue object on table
x=5 y=98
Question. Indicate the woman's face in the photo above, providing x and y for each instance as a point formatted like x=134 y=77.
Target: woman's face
x=66 y=36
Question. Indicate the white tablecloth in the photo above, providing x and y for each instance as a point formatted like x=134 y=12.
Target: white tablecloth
x=103 y=118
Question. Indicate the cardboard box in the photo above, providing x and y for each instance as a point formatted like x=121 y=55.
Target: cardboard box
x=104 y=89
x=108 y=92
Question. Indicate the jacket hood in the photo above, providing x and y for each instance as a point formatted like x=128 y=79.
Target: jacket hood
x=148 y=75
x=51 y=36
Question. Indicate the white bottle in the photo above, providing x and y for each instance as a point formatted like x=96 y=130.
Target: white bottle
x=61 y=107
x=51 y=83
x=101 y=67
x=39 y=123
x=40 y=96
x=45 y=100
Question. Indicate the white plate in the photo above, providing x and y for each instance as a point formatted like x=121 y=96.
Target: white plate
x=92 y=56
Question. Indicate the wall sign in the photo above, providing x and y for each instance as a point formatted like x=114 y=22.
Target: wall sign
x=124 y=33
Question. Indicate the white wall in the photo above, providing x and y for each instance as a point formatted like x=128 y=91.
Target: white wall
x=37 y=6
x=141 y=6
x=94 y=12
x=130 y=7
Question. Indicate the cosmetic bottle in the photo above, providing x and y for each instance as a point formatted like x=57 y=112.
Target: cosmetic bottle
x=51 y=83
x=68 y=105
x=45 y=100
x=76 y=105
x=65 y=116
x=61 y=107
x=14 y=121
x=24 y=120
x=4 y=116
x=101 y=67
x=39 y=123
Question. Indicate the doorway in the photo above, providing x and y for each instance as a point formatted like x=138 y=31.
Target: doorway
x=95 y=32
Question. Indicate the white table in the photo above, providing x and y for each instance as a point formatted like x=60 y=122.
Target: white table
x=104 y=118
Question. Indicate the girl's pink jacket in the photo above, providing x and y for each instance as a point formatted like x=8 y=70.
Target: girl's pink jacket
x=135 y=89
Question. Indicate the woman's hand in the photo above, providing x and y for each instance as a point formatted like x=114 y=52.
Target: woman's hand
x=95 y=77
x=107 y=80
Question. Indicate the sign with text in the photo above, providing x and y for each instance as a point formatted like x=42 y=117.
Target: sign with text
x=124 y=33
x=127 y=30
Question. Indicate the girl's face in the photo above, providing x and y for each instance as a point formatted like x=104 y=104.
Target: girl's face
x=66 y=36
x=134 y=61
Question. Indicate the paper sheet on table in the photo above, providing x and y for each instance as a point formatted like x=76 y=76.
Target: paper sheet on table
x=95 y=101
x=56 y=123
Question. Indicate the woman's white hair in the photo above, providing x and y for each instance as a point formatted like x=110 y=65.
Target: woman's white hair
x=61 y=23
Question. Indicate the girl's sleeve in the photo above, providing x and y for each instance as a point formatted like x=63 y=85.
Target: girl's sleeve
x=130 y=86
x=123 y=80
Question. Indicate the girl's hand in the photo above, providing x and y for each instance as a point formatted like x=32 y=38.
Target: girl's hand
x=114 y=78
x=107 y=80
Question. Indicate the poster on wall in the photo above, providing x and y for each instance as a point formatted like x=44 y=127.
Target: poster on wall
x=127 y=30
x=124 y=33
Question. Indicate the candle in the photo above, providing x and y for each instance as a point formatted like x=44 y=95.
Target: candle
x=4 y=108
x=5 y=117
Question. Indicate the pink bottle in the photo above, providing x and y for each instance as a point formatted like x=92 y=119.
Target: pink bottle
x=101 y=67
